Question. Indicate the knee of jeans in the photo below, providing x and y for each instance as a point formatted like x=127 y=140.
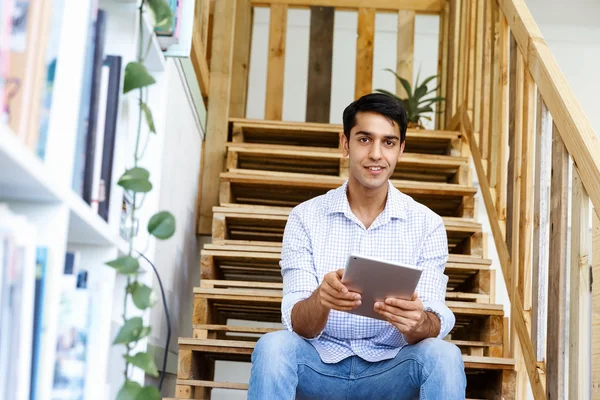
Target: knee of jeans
x=443 y=354
x=274 y=346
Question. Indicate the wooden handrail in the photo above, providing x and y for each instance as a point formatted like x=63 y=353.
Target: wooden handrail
x=421 y=6
x=575 y=130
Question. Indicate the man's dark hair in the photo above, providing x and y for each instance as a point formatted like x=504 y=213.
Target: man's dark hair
x=380 y=103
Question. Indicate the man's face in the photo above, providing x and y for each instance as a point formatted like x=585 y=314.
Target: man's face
x=373 y=149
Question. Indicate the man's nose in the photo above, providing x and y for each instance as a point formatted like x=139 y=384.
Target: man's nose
x=375 y=153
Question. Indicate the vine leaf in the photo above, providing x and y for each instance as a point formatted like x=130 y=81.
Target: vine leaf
x=162 y=225
x=144 y=361
x=148 y=115
x=136 y=77
x=129 y=391
x=132 y=331
x=136 y=180
x=125 y=265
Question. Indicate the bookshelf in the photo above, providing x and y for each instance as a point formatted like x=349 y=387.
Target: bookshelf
x=42 y=189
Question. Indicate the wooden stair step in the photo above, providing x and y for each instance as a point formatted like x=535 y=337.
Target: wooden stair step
x=327 y=161
x=240 y=350
x=233 y=262
x=268 y=224
x=290 y=189
x=328 y=135
x=256 y=287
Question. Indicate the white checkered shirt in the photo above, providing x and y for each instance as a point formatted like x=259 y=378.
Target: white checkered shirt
x=320 y=235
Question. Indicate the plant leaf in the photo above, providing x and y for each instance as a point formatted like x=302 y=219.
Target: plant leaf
x=126 y=265
x=136 y=76
x=163 y=18
x=426 y=81
x=136 y=180
x=424 y=110
x=404 y=83
x=142 y=296
x=148 y=115
x=431 y=100
x=144 y=361
x=149 y=393
x=162 y=225
x=420 y=92
x=132 y=331
x=129 y=391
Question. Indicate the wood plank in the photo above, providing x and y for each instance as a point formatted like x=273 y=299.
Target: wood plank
x=198 y=52
x=595 y=350
x=453 y=60
x=495 y=84
x=557 y=270
x=471 y=43
x=320 y=62
x=479 y=45
x=218 y=111
x=576 y=131
x=276 y=62
x=463 y=52
x=443 y=64
x=579 y=295
x=213 y=384
x=501 y=120
x=541 y=231
x=405 y=49
x=241 y=59
x=488 y=43
x=537 y=381
x=364 y=52
x=420 y=6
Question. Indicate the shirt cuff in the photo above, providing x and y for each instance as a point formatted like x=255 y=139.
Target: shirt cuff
x=445 y=315
x=287 y=304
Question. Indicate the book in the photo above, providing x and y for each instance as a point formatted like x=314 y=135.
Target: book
x=40 y=290
x=114 y=63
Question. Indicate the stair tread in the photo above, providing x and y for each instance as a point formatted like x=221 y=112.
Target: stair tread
x=242 y=347
x=332 y=182
x=272 y=250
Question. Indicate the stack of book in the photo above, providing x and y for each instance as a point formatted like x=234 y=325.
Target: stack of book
x=30 y=33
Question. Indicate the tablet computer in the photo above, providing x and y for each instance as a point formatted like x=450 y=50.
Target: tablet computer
x=376 y=280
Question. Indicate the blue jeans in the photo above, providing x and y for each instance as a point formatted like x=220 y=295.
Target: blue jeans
x=285 y=366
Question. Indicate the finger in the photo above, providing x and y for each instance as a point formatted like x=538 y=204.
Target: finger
x=339 y=294
x=408 y=314
x=337 y=307
x=335 y=282
x=407 y=305
x=340 y=272
x=414 y=297
x=341 y=302
x=395 y=320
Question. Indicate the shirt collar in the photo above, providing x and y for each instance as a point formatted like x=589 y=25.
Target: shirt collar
x=395 y=205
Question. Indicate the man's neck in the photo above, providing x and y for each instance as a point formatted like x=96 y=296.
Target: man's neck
x=365 y=203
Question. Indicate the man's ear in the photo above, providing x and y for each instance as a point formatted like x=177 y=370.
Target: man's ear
x=344 y=145
x=402 y=148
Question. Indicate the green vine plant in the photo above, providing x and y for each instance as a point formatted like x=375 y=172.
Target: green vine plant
x=416 y=103
x=136 y=182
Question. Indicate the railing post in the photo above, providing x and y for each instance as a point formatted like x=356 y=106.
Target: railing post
x=276 y=62
x=595 y=351
x=579 y=298
x=557 y=271
x=241 y=59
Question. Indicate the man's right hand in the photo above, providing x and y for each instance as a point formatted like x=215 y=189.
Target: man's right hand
x=334 y=295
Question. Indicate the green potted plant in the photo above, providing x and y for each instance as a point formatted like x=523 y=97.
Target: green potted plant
x=417 y=103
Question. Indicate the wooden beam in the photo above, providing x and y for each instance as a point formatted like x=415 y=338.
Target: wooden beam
x=575 y=129
x=420 y=6
x=364 y=52
x=471 y=44
x=502 y=121
x=241 y=59
x=478 y=90
x=443 y=65
x=218 y=110
x=405 y=51
x=557 y=271
x=495 y=82
x=536 y=380
x=453 y=47
x=595 y=351
x=276 y=62
x=579 y=297
x=200 y=64
x=320 y=62
x=486 y=94
x=541 y=229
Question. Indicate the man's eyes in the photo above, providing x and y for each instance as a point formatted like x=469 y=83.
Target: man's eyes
x=389 y=143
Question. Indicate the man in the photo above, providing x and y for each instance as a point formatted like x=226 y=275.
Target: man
x=327 y=353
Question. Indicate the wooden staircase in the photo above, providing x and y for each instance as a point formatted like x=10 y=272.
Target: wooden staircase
x=274 y=166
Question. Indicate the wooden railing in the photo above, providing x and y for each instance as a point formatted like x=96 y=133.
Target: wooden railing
x=201 y=44
x=232 y=35
x=525 y=129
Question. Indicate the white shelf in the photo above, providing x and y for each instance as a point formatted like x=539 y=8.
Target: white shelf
x=25 y=178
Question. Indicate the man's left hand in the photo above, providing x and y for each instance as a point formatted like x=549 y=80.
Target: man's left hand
x=406 y=315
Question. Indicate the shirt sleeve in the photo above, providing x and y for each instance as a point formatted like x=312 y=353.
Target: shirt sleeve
x=432 y=285
x=297 y=267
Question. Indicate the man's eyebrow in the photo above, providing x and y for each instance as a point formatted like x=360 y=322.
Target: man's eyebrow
x=366 y=133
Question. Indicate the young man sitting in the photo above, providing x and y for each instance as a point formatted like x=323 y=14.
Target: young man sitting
x=327 y=353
